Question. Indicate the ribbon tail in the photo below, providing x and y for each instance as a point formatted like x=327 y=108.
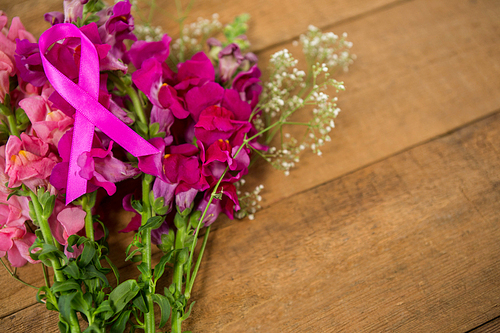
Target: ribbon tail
x=83 y=134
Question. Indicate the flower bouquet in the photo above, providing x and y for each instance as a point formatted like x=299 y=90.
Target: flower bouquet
x=98 y=100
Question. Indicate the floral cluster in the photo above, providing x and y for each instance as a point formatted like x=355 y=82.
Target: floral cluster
x=206 y=114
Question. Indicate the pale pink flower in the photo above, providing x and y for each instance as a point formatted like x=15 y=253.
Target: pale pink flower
x=29 y=161
x=48 y=124
x=7 y=69
x=8 y=36
x=14 y=240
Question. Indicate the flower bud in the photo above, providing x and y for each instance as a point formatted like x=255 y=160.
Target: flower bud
x=180 y=221
x=194 y=219
x=167 y=241
x=183 y=256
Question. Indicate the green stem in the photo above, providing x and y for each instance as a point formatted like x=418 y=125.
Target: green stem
x=13 y=125
x=136 y=102
x=56 y=264
x=16 y=277
x=46 y=275
x=47 y=236
x=177 y=278
x=149 y=317
x=190 y=284
x=176 y=322
x=89 y=225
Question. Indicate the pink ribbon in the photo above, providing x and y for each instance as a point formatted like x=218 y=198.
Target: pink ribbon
x=89 y=113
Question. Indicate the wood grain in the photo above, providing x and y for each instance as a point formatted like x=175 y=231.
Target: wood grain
x=492 y=326
x=409 y=244
x=430 y=263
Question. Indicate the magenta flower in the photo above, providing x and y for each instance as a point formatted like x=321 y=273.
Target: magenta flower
x=54 y=17
x=226 y=205
x=218 y=123
x=135 y=222
x=29 y=161
x=220 y=155
x=29 y=63
x=98 y=166
x=142 y=51
x=194 y=72
x=101 y=169
x=150 y=80
x=116 y=25
x=212 y=94
x=248 y=85
x=230 y=59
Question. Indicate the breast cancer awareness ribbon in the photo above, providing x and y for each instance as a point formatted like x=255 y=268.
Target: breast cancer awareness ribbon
x=89 y=113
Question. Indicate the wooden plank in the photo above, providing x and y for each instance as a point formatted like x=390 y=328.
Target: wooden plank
x=445 y=86
x=286 y=21
x=433 y=84
x=409 y=244
x=493 y=326
x=416 y=77
x=273 y=22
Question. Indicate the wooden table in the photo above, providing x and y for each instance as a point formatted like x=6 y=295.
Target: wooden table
x=396 y=227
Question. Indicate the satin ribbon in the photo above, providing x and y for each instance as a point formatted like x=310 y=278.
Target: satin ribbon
x=89 y=113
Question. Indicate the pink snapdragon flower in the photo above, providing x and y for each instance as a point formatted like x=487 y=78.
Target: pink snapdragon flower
x=29 y=161
x=8 y=36
x=98 y=166
x=227 y=204
x=48 y=123
x=14 y=239
x=7 y=70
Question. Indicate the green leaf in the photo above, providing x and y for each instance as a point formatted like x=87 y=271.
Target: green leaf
x=119 y=325
x=63 y=326
x=169 y=294
x=64 y=304
x=153 y=223
x=62 y=286
x=48 y=208
x=87 y=254
x=32 y=213
x=140 y=303
x=114 y=268
x=160 y=267
x=132 y=254
x=92 y=329
x=72 y=270
x=72 y=240
x=44 y=293
x=164 y=304
x=186 y=315
x=80 y=304
x=105 y=307
x=142 y=128
x=123 y=294
x=143 y=268
x=91 y=271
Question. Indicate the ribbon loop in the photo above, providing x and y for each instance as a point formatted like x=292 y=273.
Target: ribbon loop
x=89 y=112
